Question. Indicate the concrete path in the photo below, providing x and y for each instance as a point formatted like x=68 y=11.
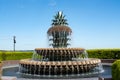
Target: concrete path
x=8 y=78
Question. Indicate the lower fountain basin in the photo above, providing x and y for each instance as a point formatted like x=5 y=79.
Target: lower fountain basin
x=14 y=71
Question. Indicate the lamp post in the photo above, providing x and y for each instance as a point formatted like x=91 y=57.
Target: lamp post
x=14 y=42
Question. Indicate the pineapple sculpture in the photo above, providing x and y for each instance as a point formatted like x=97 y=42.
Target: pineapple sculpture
x=59 y=33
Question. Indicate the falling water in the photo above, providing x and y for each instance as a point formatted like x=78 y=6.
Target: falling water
x=69 y=67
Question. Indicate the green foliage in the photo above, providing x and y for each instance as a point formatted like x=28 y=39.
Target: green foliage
x=59 y=19
x=116 y=70
x=93 y=53
x=104 y=53
x=10 y=55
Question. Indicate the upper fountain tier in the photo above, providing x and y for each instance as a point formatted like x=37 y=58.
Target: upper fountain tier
x=59 y=33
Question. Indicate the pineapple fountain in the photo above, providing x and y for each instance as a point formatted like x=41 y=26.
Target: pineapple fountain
x=60 y=61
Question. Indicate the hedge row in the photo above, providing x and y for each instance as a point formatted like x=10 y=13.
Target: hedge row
x=116 y=70
x=9 y=55
x=104 y=53
x=93 y=53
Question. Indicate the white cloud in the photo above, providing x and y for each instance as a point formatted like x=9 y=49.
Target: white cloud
x=52 y=3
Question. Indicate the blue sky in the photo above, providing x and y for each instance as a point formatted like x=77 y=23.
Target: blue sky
x=95 y=23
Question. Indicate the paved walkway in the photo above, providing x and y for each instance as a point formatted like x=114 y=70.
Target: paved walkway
x=10 y=63
x=8 y=78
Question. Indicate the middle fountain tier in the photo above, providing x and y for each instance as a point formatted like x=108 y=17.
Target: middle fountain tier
x=59 y=54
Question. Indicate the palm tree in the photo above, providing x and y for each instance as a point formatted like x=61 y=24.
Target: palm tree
x=59 y=32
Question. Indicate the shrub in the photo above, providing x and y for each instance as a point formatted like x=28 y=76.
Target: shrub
x=10 y=55
x=116 y=70
x=104 y=53
x=0 y=70
x=93 y=53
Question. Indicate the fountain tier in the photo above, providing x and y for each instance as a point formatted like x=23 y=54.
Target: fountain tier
x=58 y=67
x=59 y=54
